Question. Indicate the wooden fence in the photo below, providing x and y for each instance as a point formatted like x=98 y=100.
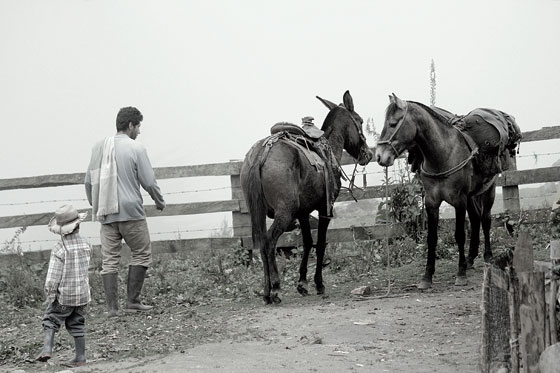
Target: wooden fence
x=519 y=311
x=509 y=181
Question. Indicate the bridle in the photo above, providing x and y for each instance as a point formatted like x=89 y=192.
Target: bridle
x=389 y=141
x=363 y=154
x=360 y=133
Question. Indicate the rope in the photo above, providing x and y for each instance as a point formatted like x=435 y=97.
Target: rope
x=387 y=237
x=351 y=184
x=388 y=251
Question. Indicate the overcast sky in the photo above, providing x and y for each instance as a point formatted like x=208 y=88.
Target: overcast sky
x=211 y=77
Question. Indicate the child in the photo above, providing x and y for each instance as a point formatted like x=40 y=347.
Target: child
x=67 y=285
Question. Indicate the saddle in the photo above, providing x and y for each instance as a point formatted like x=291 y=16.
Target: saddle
x=497 y=135
x=295 y=136
x=315 y=149
x=310 y=132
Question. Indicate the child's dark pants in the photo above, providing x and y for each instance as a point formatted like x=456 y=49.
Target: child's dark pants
x=74 y=318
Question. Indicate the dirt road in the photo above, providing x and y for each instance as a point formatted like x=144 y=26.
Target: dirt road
x=432 y=332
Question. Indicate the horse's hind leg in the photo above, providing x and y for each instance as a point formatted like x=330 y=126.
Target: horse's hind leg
x=461 y=279
x=474 y=210
x=321 y=245
x=487 y=203
x=278 y=227
x=307 y=245
x=264 y=256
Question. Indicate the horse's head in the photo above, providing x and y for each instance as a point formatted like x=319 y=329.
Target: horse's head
x=348 y=124
x=397 y=134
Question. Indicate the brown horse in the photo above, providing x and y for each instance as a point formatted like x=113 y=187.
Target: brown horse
x=280 y=182
x=450 y=171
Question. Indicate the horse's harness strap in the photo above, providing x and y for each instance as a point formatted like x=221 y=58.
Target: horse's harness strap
x=267 y=145
x=472 y=147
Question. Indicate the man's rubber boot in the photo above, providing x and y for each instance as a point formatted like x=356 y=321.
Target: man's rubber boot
x=110 y=285
x=136 y=275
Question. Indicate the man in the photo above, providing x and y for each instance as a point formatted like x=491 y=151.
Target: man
x=118 y=167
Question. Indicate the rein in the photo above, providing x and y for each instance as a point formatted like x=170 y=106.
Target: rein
x=350 y=180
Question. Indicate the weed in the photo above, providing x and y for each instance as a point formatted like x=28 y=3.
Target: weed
x=406 y=204
x=20 y=281
x=555 y=223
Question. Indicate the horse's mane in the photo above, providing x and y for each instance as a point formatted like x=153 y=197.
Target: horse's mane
x=329 y=119
x=435 y=112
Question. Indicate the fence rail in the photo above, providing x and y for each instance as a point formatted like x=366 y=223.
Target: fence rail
x=508 y=180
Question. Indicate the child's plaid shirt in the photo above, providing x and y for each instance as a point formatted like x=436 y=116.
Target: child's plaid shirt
x=67 y=277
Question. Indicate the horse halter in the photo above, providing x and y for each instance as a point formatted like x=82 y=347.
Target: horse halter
x=389 y=141
x=360 y=133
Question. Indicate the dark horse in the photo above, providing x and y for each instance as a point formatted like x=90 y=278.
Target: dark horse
x=450 y=171
x=282 y=184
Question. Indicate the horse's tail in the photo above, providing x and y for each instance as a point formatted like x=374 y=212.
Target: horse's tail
x=256 y=202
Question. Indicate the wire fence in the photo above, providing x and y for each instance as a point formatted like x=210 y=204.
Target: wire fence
x=364 y=172
x=395 y=173
x=228 y=229
x=144 y=195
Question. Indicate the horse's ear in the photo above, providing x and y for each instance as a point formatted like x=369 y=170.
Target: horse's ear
x=348 y=102
x=327 y=103
x=391 y=99
x=398 y=101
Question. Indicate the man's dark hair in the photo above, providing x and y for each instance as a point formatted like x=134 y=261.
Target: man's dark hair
x=128 y=115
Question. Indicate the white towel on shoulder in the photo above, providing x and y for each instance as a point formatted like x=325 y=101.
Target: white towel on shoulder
x=104 y=182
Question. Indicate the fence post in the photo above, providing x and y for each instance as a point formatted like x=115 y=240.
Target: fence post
x=510 y=194
x=495 y=347
x=241 y=221
x=532 y=313
x=513 y=304
x=553 y=300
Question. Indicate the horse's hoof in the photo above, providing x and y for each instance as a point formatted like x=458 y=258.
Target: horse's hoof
x=487 y=258
x=320 y=290
x=470 y=263
x=461 y=281
x=267 y=299
x=276 y=299
x=424 y=284
x=302 y=290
